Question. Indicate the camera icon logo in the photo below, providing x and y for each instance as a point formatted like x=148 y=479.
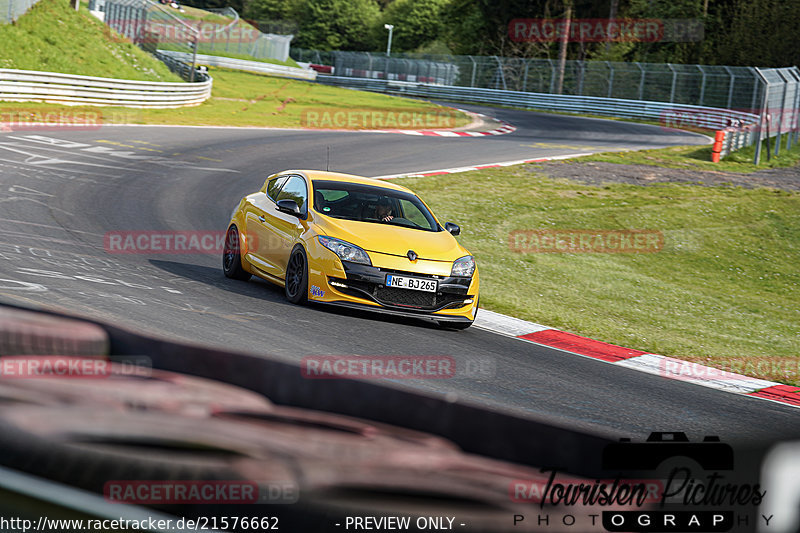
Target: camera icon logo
x=710 y=454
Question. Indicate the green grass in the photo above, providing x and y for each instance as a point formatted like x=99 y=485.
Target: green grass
x=194 y=13
x=699 y=158
x=245 y=99
x=723 y=291
x=54 y=38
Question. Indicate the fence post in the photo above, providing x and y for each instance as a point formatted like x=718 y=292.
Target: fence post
x=194 y=59
x=795 y=107
x=674 y=82
x=143 y=30
x=500 y=71
x=730 y=88
x=610 y=78
x=525 y=78
x=761 y=117
x=474 y=67
x=641 y=80
x=702 y=84
x=756 y=77
x=782 y=111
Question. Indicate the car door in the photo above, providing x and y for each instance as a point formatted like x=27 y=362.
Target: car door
x=258 y=222
x=286 y=228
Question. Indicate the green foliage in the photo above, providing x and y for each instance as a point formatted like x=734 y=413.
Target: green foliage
x=270 y=9
x=416 y=22
x=336 y=24
x=737 y=32
x=54 y=38
x=761 y=33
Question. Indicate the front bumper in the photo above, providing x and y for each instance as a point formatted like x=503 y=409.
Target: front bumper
x=368 y=282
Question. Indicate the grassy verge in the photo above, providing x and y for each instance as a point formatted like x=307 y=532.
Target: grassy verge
x=699 y=158
x=723 y=291
x=245 y=99
x=52 y=37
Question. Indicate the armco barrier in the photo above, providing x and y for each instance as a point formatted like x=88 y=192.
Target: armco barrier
x=241 y=64
x=715 y=118
x=34 y=86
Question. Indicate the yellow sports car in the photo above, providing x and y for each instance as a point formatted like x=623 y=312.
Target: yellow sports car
x=355 y=242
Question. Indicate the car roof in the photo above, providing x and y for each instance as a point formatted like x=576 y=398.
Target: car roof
x=321 y=175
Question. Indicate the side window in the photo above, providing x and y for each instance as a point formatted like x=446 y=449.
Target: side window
x=274 y=186
x=412 y=213
x=294 y=189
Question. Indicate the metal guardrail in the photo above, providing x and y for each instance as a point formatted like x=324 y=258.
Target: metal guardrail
x=705 y=85
x=664 y=112
x=34 y=86
x=241 y=64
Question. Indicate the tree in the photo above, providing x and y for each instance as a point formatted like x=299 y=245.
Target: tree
x=336 y=24
x=416 y=22
x=269 y=9
x=761 y=33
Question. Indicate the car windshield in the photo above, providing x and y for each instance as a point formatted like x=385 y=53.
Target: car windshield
x=367 y=203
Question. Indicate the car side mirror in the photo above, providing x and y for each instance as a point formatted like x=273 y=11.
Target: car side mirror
x=452 y=228
x=289 y=207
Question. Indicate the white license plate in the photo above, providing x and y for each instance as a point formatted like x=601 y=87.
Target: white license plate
x=403 y=282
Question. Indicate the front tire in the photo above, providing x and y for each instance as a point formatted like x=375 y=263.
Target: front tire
x=231 y=258
x=297 y=276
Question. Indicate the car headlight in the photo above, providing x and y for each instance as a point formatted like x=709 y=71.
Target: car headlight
x=463 y=267
x=345 y=250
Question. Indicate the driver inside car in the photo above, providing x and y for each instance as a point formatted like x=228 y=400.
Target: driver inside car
x=383 y=212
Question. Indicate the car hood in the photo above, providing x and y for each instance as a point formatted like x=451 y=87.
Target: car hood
x=394 y=240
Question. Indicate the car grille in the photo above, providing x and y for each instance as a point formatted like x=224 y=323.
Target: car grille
x=395 y=296
x=392 y=296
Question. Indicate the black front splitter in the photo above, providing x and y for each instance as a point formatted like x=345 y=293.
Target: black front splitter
x=398 y=312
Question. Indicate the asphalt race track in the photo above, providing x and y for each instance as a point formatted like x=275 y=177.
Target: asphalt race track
x=61 y=191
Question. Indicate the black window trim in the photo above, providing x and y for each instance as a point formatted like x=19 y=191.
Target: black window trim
x=304 y=210
x=400 y=194
x=266 y=189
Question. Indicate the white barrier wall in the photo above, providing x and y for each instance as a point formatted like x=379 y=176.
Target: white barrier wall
x=34 y=86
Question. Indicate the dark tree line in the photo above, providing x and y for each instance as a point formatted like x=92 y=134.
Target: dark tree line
x=736 y=32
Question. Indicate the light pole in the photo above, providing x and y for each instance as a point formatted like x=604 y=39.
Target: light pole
x=389 y=44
